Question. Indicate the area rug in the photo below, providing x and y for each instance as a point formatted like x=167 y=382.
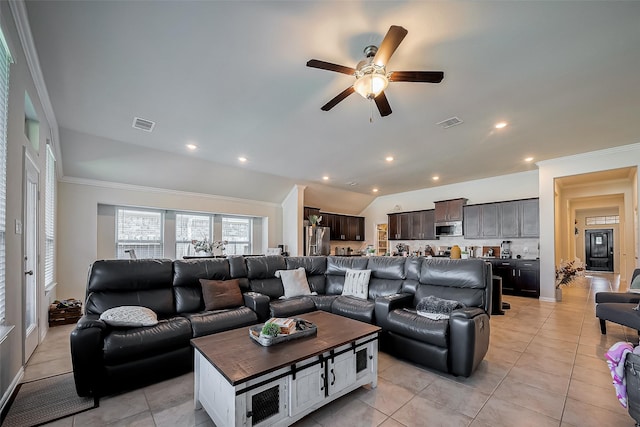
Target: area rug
x=42 y=401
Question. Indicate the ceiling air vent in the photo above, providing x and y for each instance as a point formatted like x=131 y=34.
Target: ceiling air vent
x=143 y=124
x=453 y=121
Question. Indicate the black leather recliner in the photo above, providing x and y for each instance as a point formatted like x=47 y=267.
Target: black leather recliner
x=108 y=359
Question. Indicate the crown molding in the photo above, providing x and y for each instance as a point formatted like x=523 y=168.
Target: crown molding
x=131 y=187
x=590 y=154
x=21 y=19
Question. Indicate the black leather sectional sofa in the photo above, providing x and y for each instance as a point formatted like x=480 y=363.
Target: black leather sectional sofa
x=110 y=359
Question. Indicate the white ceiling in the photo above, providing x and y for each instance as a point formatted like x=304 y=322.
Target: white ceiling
x=230 y=76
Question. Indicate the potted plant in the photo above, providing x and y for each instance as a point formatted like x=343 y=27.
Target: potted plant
x=315 y=220
x=566 y=273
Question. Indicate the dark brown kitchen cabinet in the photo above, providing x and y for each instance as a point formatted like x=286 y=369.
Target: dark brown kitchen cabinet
x=449 y=210
x=417 y=225
x=400 y=226
x=308 y=211
x=471 y=223
x=481 y=221
x=489 y=225
x=519 y=277
x=344 y=227
x=511 y=219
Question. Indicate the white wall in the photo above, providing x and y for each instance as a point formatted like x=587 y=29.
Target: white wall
x=292 y=209
x=549 y=170
x=78 y=221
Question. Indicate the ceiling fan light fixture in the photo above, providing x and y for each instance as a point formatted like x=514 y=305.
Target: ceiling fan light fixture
x=371 y=80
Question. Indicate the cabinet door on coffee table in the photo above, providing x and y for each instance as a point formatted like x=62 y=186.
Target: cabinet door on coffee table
x=266 y=405
x=341 y=372
x=307 y=388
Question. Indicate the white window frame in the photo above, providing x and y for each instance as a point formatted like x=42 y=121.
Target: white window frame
x=138 y=242
x=238 y=242
x=50 y=221
x=209 y=236
x=5 y=66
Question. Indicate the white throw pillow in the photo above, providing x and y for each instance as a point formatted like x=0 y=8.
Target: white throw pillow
x=294 y=282
x=129 y=315
x=356 y=283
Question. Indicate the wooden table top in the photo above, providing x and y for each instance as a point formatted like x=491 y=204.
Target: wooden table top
x=239 y=358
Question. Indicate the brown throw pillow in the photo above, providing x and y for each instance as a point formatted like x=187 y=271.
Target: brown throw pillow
x=219 y=294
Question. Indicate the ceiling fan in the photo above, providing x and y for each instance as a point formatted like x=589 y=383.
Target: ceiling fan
x=371 y=74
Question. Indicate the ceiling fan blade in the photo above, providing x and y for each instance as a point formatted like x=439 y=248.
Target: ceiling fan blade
x=389 y=44
x=342 y=95
x=314 y=63
x=417 y=76
x=383 y=104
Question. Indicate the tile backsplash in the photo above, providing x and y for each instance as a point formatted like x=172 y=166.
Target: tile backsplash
x=526 y=248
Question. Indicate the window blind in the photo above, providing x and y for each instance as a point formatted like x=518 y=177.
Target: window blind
x=5 y=60
x=140 y=230
x=191 y=227
x=49 y=219
x=237 y=232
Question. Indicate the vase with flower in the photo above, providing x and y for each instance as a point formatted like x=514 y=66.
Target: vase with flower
x=566 y=273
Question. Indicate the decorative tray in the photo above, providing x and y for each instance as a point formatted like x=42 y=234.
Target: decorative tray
x=308 y=329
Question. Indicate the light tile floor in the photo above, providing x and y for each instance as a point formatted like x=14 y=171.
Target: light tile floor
x=545 y=367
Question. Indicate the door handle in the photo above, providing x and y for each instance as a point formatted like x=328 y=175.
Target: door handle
x=30 y=272
x=333 y=380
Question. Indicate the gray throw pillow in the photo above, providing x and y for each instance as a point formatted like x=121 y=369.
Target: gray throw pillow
x=437 y=308
x=129 y=316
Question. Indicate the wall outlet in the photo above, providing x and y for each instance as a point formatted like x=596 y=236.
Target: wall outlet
x=525 y=250
x=18 y=226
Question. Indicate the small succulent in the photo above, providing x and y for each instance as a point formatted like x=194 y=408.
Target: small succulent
x=270 y=329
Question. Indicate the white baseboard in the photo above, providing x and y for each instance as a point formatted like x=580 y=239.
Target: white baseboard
x=7 y=395
x=547 y=299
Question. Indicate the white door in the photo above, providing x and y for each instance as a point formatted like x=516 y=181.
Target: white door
x=30 y=230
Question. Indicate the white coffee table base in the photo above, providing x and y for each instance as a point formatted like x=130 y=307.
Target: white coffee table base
x=282 y=397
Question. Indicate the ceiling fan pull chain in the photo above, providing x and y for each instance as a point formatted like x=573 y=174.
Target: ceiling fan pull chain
x=371 y=110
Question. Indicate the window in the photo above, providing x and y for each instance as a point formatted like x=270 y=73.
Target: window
x=191 y=227
x=601 y=220
x=49 y=220
x=237 y=232
x=5 y=60
x=140 y=230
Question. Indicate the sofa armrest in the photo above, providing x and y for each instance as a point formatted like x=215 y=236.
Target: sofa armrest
x=469 y=339
x=86 y=355
x=630 y=297
x=259 y=303
x=386 y=304
x=91 y=321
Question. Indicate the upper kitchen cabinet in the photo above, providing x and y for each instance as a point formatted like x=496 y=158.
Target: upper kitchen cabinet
x=400 y=226
x=344 y=227
x=512 y=219
x=530 y=218
x=308 y=211
x=449 y=210
x=422 y=225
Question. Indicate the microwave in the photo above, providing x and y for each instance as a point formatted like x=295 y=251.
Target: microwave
x=450 y=228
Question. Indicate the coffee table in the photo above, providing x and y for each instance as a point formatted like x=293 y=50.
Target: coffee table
x=241 y=383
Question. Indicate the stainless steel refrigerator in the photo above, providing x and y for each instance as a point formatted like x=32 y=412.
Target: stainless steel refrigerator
x=316 y=240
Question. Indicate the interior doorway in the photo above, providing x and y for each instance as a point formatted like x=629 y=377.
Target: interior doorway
x=599 y=249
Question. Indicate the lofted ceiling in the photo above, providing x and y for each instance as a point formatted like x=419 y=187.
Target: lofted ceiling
x=230 y=77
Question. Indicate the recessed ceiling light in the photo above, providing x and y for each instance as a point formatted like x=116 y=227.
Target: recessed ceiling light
x=375 y=190
x=242 y=159
x=389 y=158
x=501 y=125
x=192 y=146
x=528 y=159
x=435 y=177
x=325 y=178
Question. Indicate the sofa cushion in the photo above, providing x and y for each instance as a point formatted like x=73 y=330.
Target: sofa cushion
x=314 y=266
x=323 y=302
x=409 y=324
x=211 y=322
x=291 y=306
x=186 y=281
x=356 y=283
x=220 y=294
x=294 y=282
x=354 y=308
x=386 y=267
x=129 y=316
x=261 y=271
x=125 y=345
